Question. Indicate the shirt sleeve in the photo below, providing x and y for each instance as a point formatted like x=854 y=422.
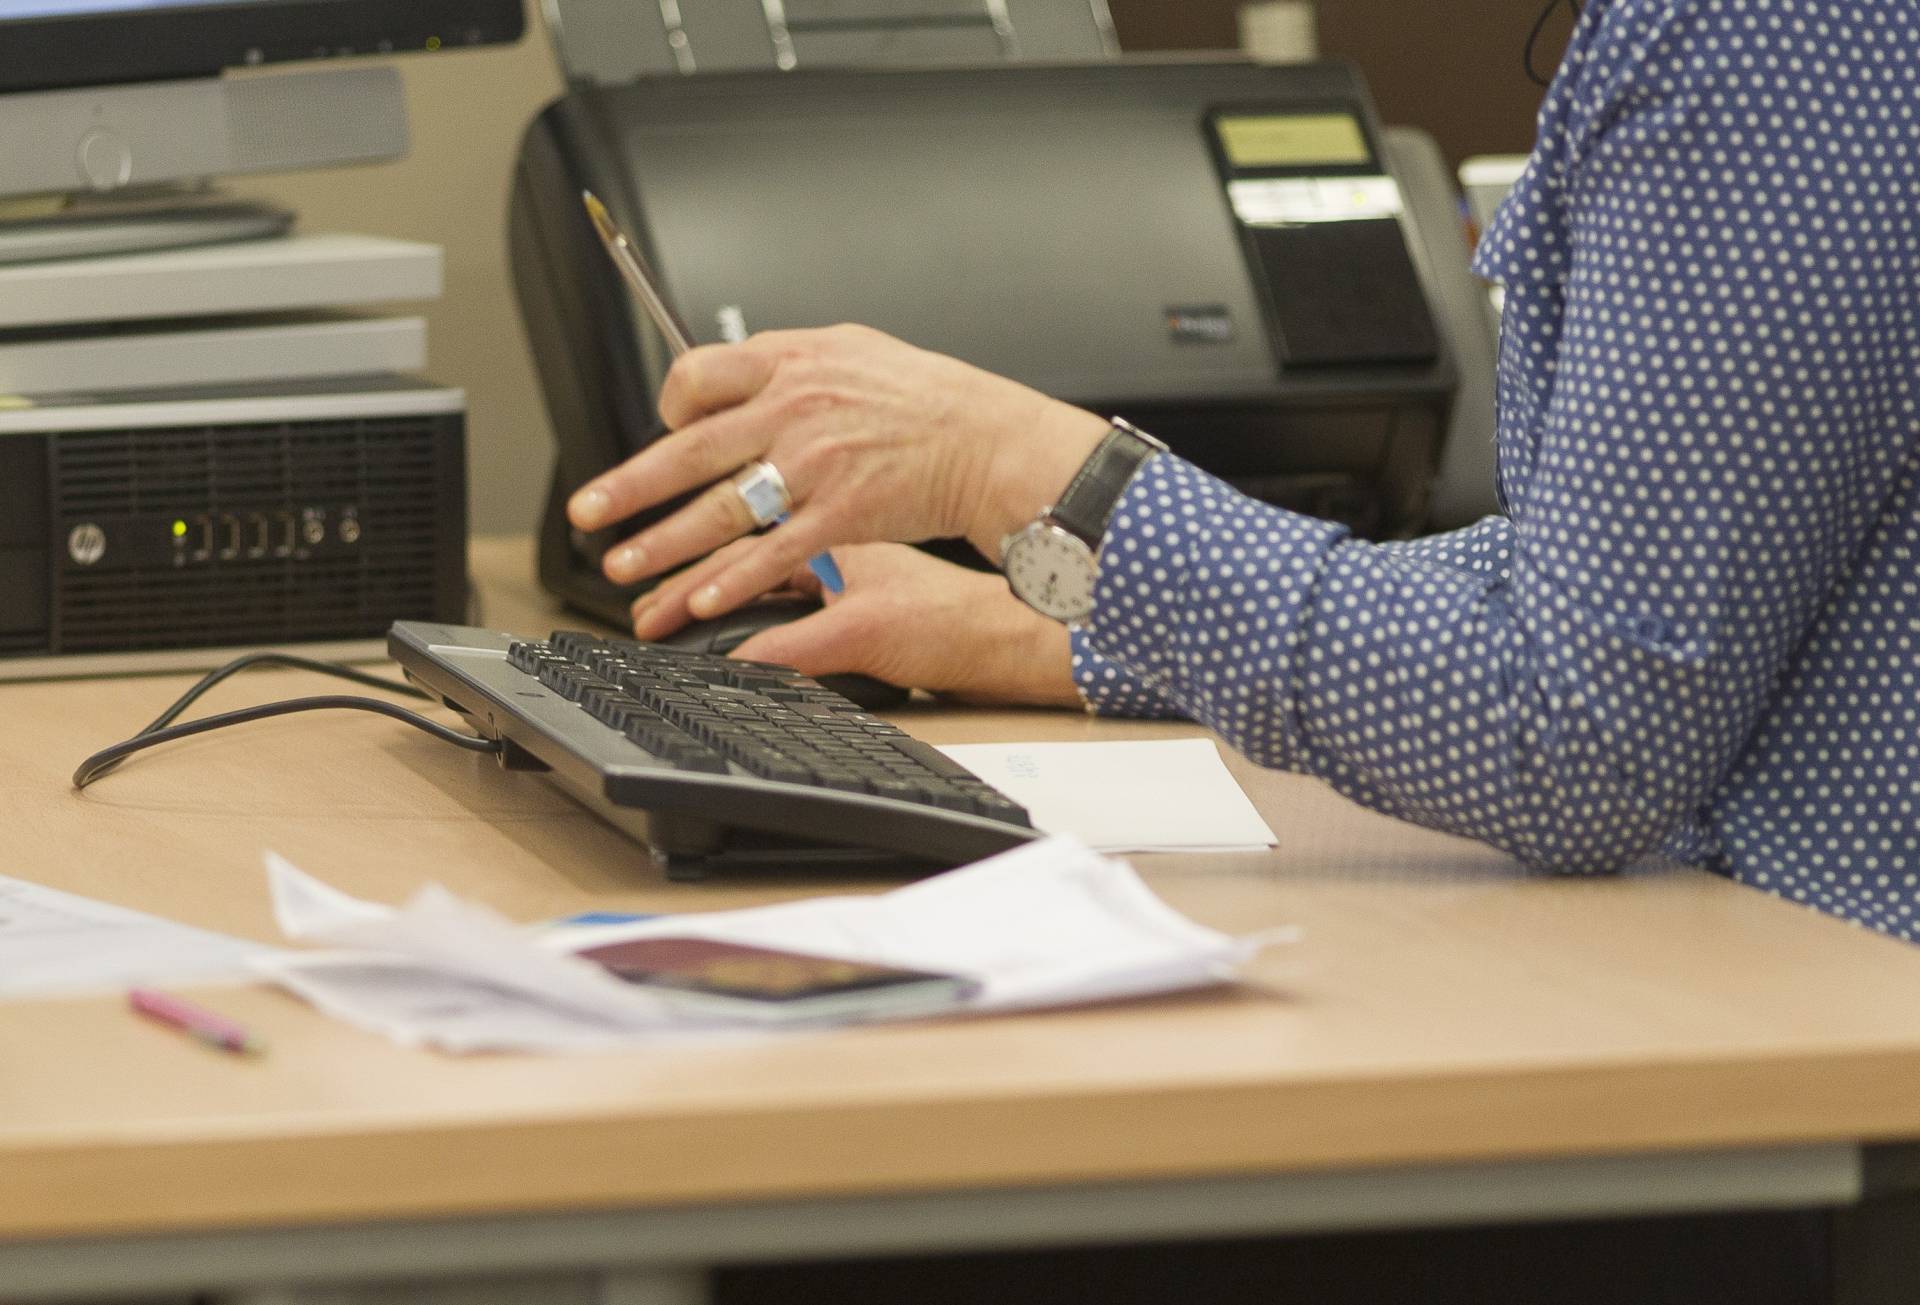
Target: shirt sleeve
x=1109 y=689
x=1709 y=445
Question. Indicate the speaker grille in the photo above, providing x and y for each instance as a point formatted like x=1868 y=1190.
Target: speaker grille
x=337 y=116
x=388 y=471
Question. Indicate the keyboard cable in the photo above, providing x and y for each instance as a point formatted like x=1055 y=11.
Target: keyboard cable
x=163 y=730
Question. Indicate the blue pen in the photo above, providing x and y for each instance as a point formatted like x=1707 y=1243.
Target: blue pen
x=823 y=565
x=824 y=568
x=634 y=269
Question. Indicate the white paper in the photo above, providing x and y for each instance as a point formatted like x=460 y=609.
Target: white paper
x=54 y=942
x=307 y=909
x=1136 y=795
x=444 y=937
x=417 y=1005
x=1051 y=923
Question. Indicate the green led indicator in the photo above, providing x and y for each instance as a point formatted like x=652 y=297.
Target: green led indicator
x=433 y=43
x=179 y=529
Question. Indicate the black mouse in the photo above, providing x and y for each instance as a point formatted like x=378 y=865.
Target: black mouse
x=722 y=634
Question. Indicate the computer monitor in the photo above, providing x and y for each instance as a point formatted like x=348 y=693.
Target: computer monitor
x=102 y=97
x=48 y=43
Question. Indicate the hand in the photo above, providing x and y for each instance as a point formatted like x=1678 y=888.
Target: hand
x=875 y=439
x=906 y=618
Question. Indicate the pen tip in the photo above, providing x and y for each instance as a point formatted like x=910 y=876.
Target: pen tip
x=595 y=208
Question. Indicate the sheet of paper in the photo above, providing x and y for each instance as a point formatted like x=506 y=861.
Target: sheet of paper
x=441 y=936
x=415 y=1004
x=53 y=942
x=1052 y=923
x=1138 y=795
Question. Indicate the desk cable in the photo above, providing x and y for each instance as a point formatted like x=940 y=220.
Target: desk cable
x=163 y=730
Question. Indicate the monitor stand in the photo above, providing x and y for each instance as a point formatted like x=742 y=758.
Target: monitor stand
x=88 y=226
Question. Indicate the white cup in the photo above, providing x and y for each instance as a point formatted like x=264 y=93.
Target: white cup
x=1280 y=31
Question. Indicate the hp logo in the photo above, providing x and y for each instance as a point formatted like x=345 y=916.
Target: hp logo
x=86 y=544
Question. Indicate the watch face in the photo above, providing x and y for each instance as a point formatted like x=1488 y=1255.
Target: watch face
x=1052 y=571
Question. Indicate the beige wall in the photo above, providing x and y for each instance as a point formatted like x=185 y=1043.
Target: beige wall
x=468 y=108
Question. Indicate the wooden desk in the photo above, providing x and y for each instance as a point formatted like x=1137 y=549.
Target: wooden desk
x=1452 y=1041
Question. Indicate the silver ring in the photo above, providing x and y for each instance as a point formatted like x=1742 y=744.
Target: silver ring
x=764 y=490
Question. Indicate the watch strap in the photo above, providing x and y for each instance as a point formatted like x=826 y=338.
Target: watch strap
x=1090 y=498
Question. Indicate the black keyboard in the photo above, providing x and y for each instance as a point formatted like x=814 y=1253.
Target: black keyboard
x=713 y=763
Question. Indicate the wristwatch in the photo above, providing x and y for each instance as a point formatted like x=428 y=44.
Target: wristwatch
x=1049 y=562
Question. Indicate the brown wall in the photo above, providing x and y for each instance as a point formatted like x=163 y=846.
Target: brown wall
x=1453 y=69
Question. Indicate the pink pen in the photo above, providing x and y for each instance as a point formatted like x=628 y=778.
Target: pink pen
x=195 y=1021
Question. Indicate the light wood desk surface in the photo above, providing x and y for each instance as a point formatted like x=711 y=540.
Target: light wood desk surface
x=1443 y=1007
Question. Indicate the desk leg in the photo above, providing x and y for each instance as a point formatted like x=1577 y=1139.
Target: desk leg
x=1876 y=1253
x=1876 y=1244
x=655 y=1286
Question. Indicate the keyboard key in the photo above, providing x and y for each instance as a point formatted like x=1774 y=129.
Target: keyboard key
x=574 y=644
x=841 y=777
x=936 y=761
x=953 y=799
x=1011 y=813
x=768 y=763
x=898 y=789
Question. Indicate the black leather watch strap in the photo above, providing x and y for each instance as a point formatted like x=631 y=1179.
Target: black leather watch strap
x=1088 y=503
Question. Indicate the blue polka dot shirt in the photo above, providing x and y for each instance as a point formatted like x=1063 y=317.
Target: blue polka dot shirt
x=1696 y=629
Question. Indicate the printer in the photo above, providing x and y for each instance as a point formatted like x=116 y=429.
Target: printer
x=1222 y=252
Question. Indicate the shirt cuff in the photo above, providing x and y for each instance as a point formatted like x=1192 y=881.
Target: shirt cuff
x=1107 y=688
x=1201 y=596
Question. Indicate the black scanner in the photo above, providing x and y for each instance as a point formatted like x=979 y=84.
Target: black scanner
x=1216 y=250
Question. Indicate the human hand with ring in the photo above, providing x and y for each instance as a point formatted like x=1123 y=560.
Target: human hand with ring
x=857 y=436
x=906 y=617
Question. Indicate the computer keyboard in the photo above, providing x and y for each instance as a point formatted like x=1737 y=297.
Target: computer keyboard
x=713 y=763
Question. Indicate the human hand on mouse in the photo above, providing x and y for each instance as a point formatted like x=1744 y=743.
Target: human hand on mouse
x=906 y=618
x=873 y=439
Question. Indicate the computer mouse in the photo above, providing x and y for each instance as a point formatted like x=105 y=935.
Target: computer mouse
x=722 y=634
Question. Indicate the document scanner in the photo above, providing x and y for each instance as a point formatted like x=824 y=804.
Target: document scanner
x=1219 y=251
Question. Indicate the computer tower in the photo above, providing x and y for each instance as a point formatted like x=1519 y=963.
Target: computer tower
x=162 y=529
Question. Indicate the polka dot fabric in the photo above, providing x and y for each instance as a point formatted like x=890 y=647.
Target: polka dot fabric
x=1696 y=631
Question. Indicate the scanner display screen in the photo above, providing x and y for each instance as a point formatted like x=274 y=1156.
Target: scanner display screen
x=1292 y=140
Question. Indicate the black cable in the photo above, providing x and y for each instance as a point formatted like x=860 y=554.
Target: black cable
x=250 y=660
x=1533 y=39
x=107 y=758
x=246 y=662
x=103 y=763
